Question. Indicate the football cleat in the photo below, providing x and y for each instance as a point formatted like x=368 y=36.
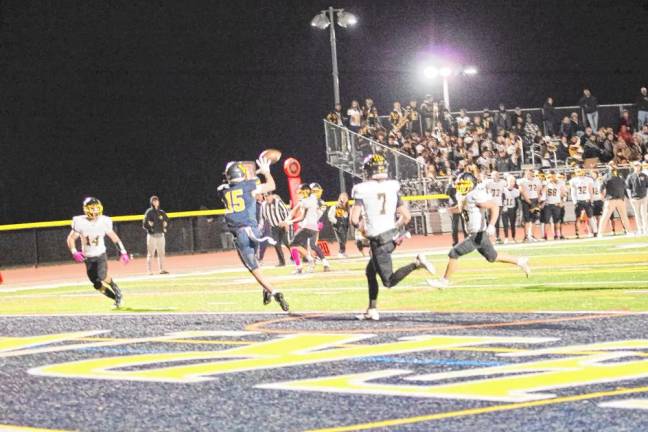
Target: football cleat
x=298 y=270
x=327 y=268
x=422 y=262
x=369 y=315
x=118 y=297
x=523 y=263
x=279 y=298
x=267 y=297
x=438 y=283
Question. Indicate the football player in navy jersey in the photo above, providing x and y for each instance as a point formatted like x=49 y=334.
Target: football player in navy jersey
x=238 y=195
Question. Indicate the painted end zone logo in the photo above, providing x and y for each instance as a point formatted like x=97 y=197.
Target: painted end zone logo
x=533 y=375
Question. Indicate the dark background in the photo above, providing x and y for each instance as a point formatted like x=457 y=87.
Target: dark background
x=122 y=100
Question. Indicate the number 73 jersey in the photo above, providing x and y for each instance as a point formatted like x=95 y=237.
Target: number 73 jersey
x=92 y=233
x=380 y=199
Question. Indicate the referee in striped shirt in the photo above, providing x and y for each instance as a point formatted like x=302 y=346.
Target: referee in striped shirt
x=274 y=212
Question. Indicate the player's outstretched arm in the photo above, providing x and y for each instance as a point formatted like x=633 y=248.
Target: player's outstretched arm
x=123 y=255
x=264 y=168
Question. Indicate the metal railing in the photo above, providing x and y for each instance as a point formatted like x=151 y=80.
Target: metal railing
x=346 y=150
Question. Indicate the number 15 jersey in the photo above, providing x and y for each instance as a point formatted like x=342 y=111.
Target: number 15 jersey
x=380 y=199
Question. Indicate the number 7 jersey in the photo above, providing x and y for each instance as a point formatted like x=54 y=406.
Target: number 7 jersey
x=380 y=199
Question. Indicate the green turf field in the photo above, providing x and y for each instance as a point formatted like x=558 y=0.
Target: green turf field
x=592 y=275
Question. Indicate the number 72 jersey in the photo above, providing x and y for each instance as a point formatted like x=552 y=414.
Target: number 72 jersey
x=380 y=199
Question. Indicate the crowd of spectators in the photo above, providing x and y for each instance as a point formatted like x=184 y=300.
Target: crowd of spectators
x=502 y=139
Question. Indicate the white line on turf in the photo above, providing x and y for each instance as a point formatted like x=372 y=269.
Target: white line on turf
x=430 y=252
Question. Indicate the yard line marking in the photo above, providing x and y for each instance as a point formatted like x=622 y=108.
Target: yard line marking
x=483 y=410
x=13 y=428
x=261 y=326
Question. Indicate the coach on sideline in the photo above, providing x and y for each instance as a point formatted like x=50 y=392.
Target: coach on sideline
x=637 y=184
x=155 y=223
x=613 y=188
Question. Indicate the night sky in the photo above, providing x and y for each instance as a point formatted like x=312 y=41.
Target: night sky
x=122 y=100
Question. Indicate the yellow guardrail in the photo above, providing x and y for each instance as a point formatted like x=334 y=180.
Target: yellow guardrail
x=172 y=215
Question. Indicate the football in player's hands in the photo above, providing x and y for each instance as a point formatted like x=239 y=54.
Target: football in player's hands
x=273 y=155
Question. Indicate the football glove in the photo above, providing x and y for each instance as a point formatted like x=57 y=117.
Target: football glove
x=124 y=258
x=264 y=166
x=78 y=256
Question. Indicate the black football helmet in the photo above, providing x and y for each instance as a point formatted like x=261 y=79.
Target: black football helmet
x=304 y=190
x=375 y=166
x=92 y=207
x=235 y=172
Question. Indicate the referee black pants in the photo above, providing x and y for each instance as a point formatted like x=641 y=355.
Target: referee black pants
x=280 y=235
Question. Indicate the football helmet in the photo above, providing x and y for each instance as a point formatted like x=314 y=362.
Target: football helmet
x=465 y=183
x=92 y=207
x=579 y=172
x=316 y=190
x=375 y=166
x=539 y=175
x=552 y=176
x=235 y=172
x=303 y=190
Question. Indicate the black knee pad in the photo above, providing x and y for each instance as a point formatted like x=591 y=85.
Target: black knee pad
x=453 y=254
x=97 y=284
x=491 y=258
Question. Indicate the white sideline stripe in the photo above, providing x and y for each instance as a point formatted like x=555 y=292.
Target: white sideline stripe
x=626 y=403
x=339 y=289
x=433 y=251
x=117 y=314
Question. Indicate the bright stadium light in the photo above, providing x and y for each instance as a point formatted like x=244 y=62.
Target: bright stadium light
x=320 y=21
x=323 y=20
x=346 y=19
x=432 y=72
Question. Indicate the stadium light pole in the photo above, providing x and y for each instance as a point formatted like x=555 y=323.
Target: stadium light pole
x=445 y=72
x=327 y=18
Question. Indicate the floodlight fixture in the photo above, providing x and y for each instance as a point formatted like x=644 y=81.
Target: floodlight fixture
x=320 y=21
x=346 y=19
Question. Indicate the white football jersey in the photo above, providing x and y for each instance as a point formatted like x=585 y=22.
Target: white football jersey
x=471 y=213
x=596 y=189
x=553 y=192
x=533 y=187
x=92 y=233
x=495 y=189
x=510 y=196
x=311 y=208
x=380 y=200
x=580 y=188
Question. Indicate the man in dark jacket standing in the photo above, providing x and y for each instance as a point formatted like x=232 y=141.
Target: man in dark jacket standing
x=155 y=224
x=549 y=117
x=589 y=105
x=614 y=191
x=642 y=108
x=637 y=185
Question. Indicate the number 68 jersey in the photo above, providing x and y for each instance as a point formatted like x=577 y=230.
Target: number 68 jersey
x=92 y=233
x=380 y=199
